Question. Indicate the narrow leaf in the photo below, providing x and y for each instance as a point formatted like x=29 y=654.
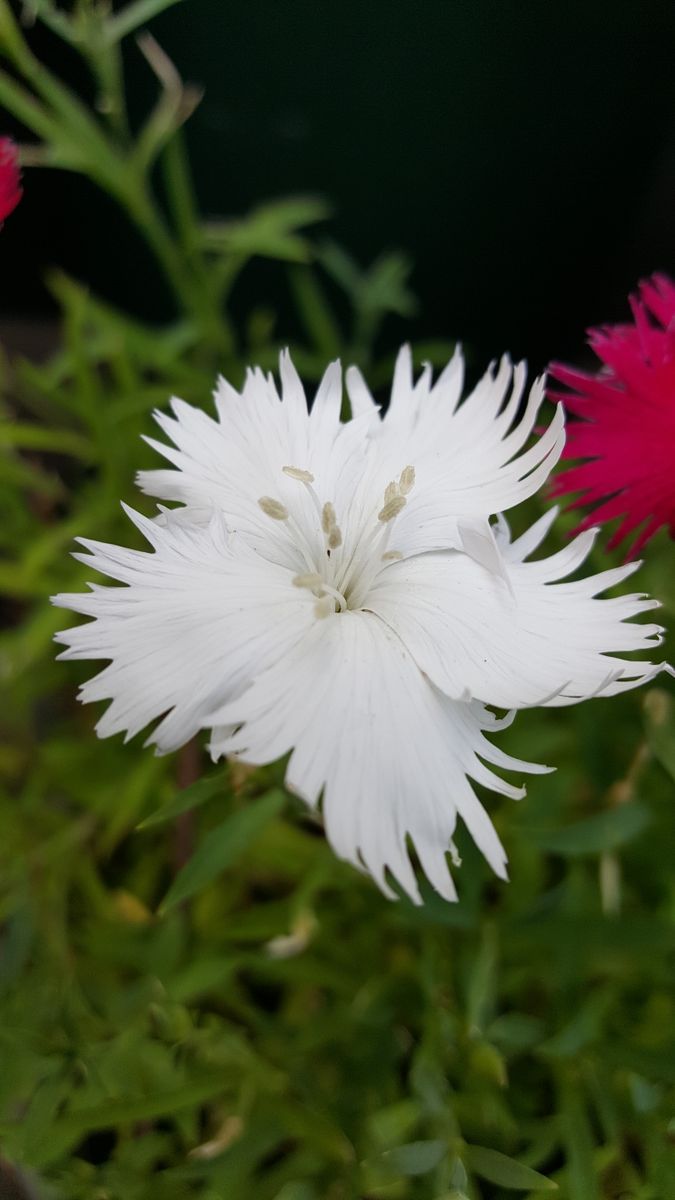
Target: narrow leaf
x=190 y=797
x=72 y=1127
x=222 y=847
x=416 y=1158
x=660 y=725
x=39 y=437
x=605 y=831
x=133 y=16
x=580 y=1175
x=506 y=1172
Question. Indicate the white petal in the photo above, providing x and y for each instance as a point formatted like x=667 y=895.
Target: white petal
x=292 y=392
x=387 y=750
x=360 y=398
x=197 y=620
x=229 y=464
x=325 y=415
x=402 y=385
x=470 y=459
x=520 y=640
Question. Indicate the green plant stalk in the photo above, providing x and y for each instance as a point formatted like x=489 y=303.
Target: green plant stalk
x=109 y=165
x=180 y=192
x=106 y=66
x=181 y=195
x=121 y=24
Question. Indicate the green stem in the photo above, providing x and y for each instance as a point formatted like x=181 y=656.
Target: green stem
x=180 y=192
x=106 y=65
x=185 y=273
x=82 y=143
x=141 y=207
x=181 y=197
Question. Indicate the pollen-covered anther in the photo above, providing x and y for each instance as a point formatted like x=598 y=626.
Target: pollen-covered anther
x=299 y=474
x=406 y=481
x=391 y=509
x=328 y=518
x=273 y=508
x=391 y=492
x=330 y=527
x=309 y=580
x=325 y=607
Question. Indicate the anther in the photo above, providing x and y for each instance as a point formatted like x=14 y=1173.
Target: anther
x=406 y=482
x=309 y=580
x=392 y=556
x=299 y=474
x=273 y=508
x=334 y=538
x=325 y=607
x=328 y=518
x=390 y=492
x=391 y=509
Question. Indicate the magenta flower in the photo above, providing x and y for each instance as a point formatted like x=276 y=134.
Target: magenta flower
x=626 y=425
x=10 y=177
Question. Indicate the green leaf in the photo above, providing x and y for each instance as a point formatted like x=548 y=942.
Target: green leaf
x=482 y=979
x=41 y=437
x=133 y=16
x=190 y=797
x=605 y=831
x=269 y=230
x=296 y=1190
x=71 y=1128
x=319 y=1129
x=202 y=975
x=415 y=1158
x=581 y=1175
x=506 y=1172
x=582 y=1030
x=222 y=847
x=315 y=311
x=389 y=1126
x=660 y=727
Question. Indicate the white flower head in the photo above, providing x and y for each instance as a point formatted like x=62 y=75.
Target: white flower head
x=337 y=590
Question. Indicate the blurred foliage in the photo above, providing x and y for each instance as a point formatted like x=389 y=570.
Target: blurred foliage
x=196 y=998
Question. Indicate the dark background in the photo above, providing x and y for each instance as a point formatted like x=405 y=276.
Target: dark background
x=523 y=153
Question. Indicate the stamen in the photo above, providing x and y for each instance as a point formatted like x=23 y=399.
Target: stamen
x=327 y=595
x=391 y=509
x=328 y=518
x=364 y=560
x=309 y=580
x=325 y=607
x=331 y=591
x=273 y=508
x=406 y=482
x=299 y=474
x=307 y=479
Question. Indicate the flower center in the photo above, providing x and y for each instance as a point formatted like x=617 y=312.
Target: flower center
x=339 y=574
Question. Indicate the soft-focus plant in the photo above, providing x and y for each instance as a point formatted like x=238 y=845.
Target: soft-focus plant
x=196 y=998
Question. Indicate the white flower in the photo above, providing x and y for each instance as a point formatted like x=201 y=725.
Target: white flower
x=337 y=590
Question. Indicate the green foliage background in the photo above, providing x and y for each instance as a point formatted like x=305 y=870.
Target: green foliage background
x=196 y=998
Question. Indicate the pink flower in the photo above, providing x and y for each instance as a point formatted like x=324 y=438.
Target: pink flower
x=626 y=430
x=10 y=177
